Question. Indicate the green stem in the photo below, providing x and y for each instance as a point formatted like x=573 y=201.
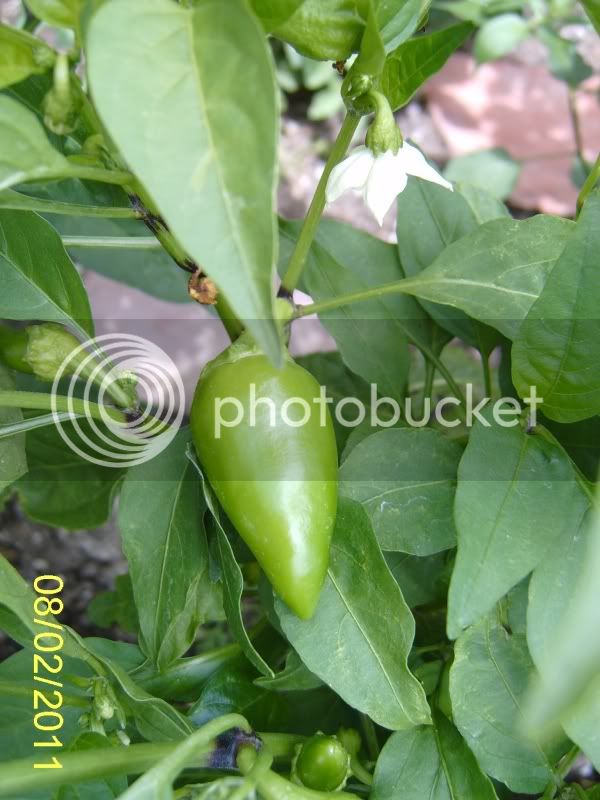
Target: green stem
x=232 y=324
x=589 y=184
x=487 y=374
x=44 y=402
x=576 y=126
x=313 y=216
x=370 y=736
x=360 y=772
x=19 y=777
x=10 y=689
x=113 y=242
x=112 y=176
x=429 y=378
x=18 y=201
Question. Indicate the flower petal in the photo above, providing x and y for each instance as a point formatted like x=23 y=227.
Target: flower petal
x=351 y=173
x=414 y=163
x=386 y=180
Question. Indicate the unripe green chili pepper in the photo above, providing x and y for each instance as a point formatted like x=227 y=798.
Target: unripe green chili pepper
x=322 y=763
x=276 y=481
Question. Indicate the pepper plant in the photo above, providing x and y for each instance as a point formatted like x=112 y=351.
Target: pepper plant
x=410 y=602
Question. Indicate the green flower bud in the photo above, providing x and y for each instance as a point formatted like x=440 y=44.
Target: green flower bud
x=383 y=134
x=49 y=345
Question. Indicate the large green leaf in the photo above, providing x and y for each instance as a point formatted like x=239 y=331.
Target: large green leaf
x=592 y=9
x=496 y=273
x=62 y=13
x=432 y=762
x=168 y=559
x=558 y=346
x=551 y=612
x=411 y=64
x=200 y=132
x=515 y=495
x=399 y=19
x=231 y=576
x=13 y=462
x=21 y=55
x=362 y=631
x=488 y=682
x=39 y=281
x=429 y=219
x=26 y=152
x=405 y=479
x=61 y=488
x=274 y=12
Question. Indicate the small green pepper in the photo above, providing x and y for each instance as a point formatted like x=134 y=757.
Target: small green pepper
x=322 y=763
x=276 y=481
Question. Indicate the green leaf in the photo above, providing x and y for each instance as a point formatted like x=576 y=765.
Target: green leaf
x=106 y=789
x=27 y=154
x=592 y=9
x=421 y=579
x=273 y=13
x=496 y=273
x=13 y=461
x=116 y=607
x=482 y=203
x=217 y=135
x=168 y=560
x=399 y=19
x=581 y=440
x=493 y=170
x=151 y=271
x=429 y=219
x=371 y=55
x=371 y=336
x=339 y=382
x=514 y=499
x=62 y=13
x=328 y=30
x=565 y=62
x=350 y=644
x=294 y=677
x=405 y=480
x=411 y=64
x=488 y=681
x=39 y=280
x=551 y=618
x=432 y=762
x=231 y=575
x=62 y=488
x=21 y=55
x=558 y=346
x=498 y=36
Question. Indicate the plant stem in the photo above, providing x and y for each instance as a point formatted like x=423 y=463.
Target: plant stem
x=313 y=215
x=112 y=176
x=46 y=402
x=360 y=772
x=487 y=374
x=113 y=242
x=18 y=201
x=370 y=736
x=576 y=126
x=589 y=184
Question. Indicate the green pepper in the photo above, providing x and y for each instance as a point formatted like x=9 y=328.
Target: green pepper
x=276 y=481
x=322 y=763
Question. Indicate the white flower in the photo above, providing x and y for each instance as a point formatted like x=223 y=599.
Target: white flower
x=380 y=179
